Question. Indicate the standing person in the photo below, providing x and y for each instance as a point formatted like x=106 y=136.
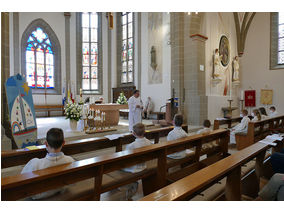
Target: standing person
x=149 y=107
x=135 y=106
x=241 y=127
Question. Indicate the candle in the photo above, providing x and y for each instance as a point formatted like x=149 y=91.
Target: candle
x=242 y=95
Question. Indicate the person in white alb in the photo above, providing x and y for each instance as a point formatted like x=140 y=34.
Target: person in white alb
x=273 y=113
x=206 y=129
x=135 y=106
x=54 y=143
x=175 y=134
x=241 y=127
x=256 y=115
x=140 y=141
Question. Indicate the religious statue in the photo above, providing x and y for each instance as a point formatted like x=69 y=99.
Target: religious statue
x=217 y=60
x=153 y=58
x=236 y=67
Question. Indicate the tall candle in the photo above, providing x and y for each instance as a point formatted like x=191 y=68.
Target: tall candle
x=242 y=95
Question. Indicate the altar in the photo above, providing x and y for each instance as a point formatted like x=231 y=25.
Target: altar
x=111 y=112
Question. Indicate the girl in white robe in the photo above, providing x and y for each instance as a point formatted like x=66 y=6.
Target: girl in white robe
x=135 y=106
x=241 y=127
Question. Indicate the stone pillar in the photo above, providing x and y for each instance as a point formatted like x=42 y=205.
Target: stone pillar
x=67 y=16
x=177 y=58
x=196 y=101
x=5 y=73
x=16 y=43
x=187 y=77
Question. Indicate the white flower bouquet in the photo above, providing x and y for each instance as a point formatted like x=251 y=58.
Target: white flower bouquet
x=73 y=111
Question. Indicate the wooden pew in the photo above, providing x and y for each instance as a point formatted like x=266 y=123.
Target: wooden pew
x=49 y=108
x=229 y=167
x=22 y=156
x=259 y=130
x=228 y=122
x=28 y=184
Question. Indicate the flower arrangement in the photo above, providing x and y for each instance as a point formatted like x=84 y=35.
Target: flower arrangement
x=121 y=99
x=73 y=111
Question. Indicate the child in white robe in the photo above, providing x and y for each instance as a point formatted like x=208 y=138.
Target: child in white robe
x=178 y=133
x=140 y=141
x=206 y=129
x=273 y=113
x=54 y=143
x=241 y=127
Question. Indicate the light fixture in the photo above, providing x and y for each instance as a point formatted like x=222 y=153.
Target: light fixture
x=188 y=13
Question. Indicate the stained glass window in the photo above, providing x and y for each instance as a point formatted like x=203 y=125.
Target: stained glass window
x=280 y=38
x=90 y=56
x=39 y=60
x=127 y=47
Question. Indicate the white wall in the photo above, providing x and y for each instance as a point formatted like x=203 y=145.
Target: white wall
x=255 y=71
x=214 y=26
x=158 y=92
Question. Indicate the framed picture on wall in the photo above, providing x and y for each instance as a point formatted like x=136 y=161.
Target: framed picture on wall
x=266 y=96
x=224 y=50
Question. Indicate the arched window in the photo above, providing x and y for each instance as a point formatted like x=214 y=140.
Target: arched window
x=89 y=47
x=40 y=58
x=125 y=48
x=277 y=41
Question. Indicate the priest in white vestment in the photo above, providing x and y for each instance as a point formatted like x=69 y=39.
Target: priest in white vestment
x=135 y=106
x=241 y=127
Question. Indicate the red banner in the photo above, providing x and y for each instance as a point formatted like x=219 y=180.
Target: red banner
x=250 y=98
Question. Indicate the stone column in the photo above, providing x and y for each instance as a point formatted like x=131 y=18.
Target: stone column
x=16 y=43
x=196 y=101
x=177 y=58
x=67 y=16
x=5 y=73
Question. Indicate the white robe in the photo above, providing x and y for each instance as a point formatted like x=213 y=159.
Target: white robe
x=240 y=128
x=139 y=142
x=175 y=134
x=51 y=159
x=273 y=114
x=135 y=113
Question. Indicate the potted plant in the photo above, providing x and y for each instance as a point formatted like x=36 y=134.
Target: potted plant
x=121 y=99
x=73 y=112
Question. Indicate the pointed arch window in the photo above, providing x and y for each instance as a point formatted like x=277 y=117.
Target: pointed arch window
x=39 y=60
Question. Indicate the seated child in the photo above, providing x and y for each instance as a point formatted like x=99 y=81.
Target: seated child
x=54 y=143
x=140 y=141
x=241 y=127
x=206 y=129
x=256 y=115
x=177 y=133
x=273 y=113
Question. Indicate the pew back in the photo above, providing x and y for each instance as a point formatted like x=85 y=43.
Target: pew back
x=228 y=167
x=28 y=184
x=22 y=156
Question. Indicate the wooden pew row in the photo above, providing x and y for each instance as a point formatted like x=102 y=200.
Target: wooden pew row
x=228 y=122
x=230 y=167
x=259 y=130
x=49 y=108
x=22 y=156
x=28 y=184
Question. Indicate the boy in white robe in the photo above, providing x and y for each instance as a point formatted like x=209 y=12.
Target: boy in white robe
x=206 y=129
x=135 y=106
x=273 y=113
x=54 y=143
x=178 y=133
x=140 y=141
x=149 y=107
x=241 y=127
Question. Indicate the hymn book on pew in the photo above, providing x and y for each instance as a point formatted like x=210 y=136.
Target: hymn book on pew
x=270 y=139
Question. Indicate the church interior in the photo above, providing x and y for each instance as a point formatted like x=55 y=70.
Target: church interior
x=150 y=106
